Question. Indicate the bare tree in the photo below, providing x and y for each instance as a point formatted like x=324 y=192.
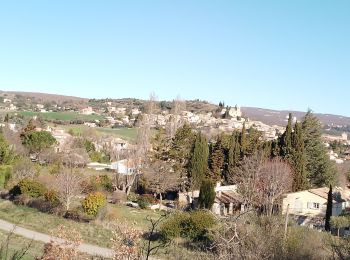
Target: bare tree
x=175 y=120
x=63 y=245
x=23 y=168
x=138 y=154
x=68 y=184
x=261 y=181
x=14 y=140
x=126 y=242
x=152 y=245
x=276 y=179
x=160 y=177
x=247 y=177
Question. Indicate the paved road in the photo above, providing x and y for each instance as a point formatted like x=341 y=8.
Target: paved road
x=84 y=248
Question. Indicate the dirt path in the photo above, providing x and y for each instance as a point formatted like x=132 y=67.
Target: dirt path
x=84 y=248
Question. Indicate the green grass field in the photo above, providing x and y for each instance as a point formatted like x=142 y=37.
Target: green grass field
x=64 y=116
x=17 y=243
x=128 y=134
x=92 y=233
x=35 y=220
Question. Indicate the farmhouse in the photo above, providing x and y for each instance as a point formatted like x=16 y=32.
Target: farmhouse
x=312 y=204
x=227 y=200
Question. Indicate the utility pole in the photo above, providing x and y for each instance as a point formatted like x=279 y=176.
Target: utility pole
x=286 y=222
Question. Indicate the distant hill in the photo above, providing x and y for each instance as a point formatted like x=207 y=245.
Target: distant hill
x=44 y=97
x=267 y=116
x=276 y=117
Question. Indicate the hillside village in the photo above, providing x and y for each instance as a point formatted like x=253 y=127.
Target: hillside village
x=59 y=155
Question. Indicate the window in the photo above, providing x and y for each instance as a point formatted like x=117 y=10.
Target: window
x=313 y=205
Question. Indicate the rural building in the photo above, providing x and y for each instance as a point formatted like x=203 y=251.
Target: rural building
x=311 y=204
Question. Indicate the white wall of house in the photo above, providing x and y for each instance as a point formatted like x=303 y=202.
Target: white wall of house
x=305 y=203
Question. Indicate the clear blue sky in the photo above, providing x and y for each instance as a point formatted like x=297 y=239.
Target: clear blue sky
x=275 y=54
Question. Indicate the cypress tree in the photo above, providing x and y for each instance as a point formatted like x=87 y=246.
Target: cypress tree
x=199 y=161
x=321 y=171
x=217 y=159
x=206 y=194
x=298 y=159
x=234 y=152
x=327 y=225
x=243 y=141
x=286 y=139
x=7 y=118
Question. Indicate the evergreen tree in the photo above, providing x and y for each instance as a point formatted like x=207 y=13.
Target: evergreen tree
x=6 y=153
x=206 y=194
x=243 y=141
x=199 y=162
x=234 y=152
x=216 y=161
x=253 y=142
x=286 y=140
x=7 y=118
x=180 y=151
x=329 y=209
x=298 y=159
x=321 y=171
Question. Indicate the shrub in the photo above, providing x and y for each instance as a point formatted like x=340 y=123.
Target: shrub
x=145 y=200
x=105 y=182
x=77 y=215
x=54 y=168
x=28 y=187
x=98 y=183
x=193 y=225
x=93 y=202
x=52 y=198
x=5 y=175
x=133 y=197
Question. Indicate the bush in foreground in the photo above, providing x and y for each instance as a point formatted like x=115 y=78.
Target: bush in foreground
x=93 y=202
x=193 y=225
x=28 y=187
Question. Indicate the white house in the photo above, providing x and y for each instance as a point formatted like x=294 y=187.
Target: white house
x=125 y=167
x=227 y=200
x=313 y=203
x=87 y=111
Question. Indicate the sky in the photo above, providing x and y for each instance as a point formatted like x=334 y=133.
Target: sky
x=273 y=54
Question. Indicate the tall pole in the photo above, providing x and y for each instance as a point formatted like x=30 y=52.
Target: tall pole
x=286 y=222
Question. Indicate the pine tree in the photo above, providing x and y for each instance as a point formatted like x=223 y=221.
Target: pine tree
x=298 y=159
x=321 y=171
x=217 y=159
x=180 y=151
x=206 y=194
x=199 y=162
x=329 y=209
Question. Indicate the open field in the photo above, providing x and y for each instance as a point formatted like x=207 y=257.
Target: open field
x=64 y=116
x=128 y=134
x=134 y=216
